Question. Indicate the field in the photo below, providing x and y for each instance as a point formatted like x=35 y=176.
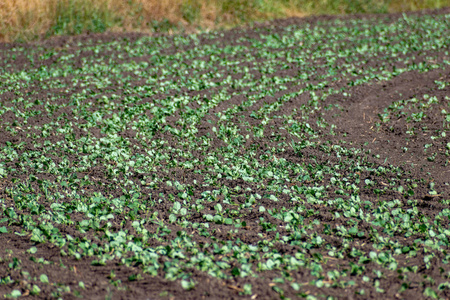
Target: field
x=298 y=158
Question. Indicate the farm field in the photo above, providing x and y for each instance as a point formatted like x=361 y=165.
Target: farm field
x=298 y=158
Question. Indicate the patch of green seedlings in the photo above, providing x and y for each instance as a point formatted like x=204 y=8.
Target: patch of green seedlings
x=179 y=154
x=427 y=116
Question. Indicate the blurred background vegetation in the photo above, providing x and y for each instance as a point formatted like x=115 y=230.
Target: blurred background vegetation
x=28 y=20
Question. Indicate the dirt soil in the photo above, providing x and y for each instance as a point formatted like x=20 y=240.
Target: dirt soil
x=356 y=125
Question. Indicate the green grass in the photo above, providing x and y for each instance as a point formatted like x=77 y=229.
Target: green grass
x=80 y=16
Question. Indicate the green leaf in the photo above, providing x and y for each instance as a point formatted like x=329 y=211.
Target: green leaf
x=187 y=285
x=3 y=229
x=319 y=283
x=172 y=218
x=176 y=206
x=32 y=250
x=81 y=285
x=35 y=290
x=429 y=292
x=43 y=278
x=15 y=294
x=100 y=262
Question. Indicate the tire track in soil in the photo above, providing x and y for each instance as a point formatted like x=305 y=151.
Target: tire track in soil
x=356 y=124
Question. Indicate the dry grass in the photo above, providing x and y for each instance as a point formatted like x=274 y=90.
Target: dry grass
x=161 y=9
x=24 y=17
x=411 y=5
x=31 y=19
x=24 y=20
